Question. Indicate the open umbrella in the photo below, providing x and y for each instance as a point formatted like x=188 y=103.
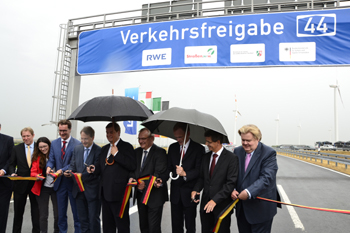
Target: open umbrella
x=163 y=122
x=111 y=108
x=197 y=122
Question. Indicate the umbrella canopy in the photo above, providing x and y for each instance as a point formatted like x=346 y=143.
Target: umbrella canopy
x=163 y=122
x=111 y=108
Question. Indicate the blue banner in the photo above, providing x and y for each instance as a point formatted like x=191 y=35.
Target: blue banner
x=131 y=126
x=306 y=38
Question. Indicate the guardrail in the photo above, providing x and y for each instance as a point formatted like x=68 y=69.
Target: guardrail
x=329 y=157
x=196 y=10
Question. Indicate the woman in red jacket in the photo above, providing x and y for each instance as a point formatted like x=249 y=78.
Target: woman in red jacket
x=43 y=189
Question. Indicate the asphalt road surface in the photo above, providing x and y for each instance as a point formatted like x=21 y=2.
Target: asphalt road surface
x=298 y=182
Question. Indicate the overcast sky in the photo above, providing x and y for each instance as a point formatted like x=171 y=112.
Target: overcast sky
x=29 y=38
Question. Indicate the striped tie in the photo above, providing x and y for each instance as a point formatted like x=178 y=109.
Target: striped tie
x=63 y=150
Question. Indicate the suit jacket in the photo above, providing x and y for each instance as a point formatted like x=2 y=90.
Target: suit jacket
x=260 y=180
x=191 y=163
x=115 y=177
x=156 y=165
x=223 y=181
x=55 y=160
x=91 y=183
x=34 y=171
x=6 y=146
x=19 y=159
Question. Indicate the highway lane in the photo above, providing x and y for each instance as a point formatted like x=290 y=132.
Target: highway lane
x=311 y=185
x=303 y=183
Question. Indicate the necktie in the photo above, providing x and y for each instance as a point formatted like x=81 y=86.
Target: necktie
x=247 y=160
x=212 y=166
x=86 y=154
x=63 y=150
x=144 y=160
x=182 y=152
x=29 y=157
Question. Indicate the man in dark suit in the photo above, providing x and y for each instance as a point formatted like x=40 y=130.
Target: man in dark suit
x=88 y=202
x=117 y=160
x=151 y=160
x=60 y=156
x=218 y=177
x=257 y=177
x=21 y=158
x=6 y=146
x=182 y=208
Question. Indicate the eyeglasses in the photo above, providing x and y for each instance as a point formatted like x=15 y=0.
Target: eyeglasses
x=42 y=147
x=142 y=139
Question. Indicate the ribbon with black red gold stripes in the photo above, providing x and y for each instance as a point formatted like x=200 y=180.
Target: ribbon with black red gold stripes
x=78 y=181
x=146 y=194
x=223 y=214
x=229 y=208
x=19 y=177
x=41 y=177
x=135 y=183
x=54 y=176
x=128 y=191
x=307 y=207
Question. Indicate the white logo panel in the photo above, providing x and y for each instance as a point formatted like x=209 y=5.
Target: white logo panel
x=201 y=54
x=303 y=51
x=247 y=53
x=156 y=57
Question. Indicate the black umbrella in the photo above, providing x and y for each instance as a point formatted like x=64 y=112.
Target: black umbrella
x=163 y=122
x=111 y=108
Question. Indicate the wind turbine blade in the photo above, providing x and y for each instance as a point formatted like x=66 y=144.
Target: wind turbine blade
x=239 y=113
x=340 y=96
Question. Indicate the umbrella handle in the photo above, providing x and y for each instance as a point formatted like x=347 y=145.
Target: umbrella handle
x=171 y=176
x=171 y=173
x=181 y=156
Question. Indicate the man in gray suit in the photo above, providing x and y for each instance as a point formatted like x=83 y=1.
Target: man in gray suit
x=257 y=177
x=88 y=203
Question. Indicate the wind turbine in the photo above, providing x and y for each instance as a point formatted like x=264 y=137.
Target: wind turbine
x=299 y=126
x=235 y=126
x=336 y=87
x=277 y=121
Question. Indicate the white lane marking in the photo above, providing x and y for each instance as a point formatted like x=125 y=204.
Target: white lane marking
x=293 y=214
x=326 y=168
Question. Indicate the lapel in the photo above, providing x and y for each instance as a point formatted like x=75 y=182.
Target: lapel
x=80 y=158
x=206 y=163
x=1 y=147
x=241 y=157
x=23 y=152
x=138 y=161
x=68 y=148
x=103 y=156
x=177 y=153
x=256 y=157
x=90 y=157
